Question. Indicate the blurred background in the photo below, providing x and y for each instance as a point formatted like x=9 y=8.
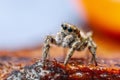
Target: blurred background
x=25 y=23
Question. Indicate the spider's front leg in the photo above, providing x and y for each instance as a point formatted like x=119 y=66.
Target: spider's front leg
x=71 y=51
x=47 y=42
x=92 y=48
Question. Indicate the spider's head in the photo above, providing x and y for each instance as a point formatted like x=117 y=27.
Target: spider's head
x=70 y=29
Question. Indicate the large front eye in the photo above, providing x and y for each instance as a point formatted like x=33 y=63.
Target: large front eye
x=64 y=27
x=69 y=30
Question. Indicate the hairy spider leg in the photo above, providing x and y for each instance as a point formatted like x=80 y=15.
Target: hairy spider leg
x=49 y=40
x=70 y=52
x=92 y=48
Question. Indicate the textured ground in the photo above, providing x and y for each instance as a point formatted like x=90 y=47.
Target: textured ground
x=20 y=65
x=17 y=69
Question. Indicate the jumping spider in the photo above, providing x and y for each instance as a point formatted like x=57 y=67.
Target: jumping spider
x=71 y=37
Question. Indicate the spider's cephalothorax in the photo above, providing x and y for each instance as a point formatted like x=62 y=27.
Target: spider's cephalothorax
x=71 y=37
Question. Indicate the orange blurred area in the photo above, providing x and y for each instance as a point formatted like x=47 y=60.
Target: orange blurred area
x=103 y=15
x=106 y=47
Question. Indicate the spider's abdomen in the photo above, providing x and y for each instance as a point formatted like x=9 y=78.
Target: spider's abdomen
x=82 y=45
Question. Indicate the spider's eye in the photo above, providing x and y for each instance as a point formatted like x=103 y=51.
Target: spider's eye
x=69 y=30
x=64 y=27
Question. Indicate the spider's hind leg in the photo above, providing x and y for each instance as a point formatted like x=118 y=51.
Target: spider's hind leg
x=71 y=51
x=92 y=48
x=48 y=40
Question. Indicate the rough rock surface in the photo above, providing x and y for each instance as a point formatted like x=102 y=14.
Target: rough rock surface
x=75 y=70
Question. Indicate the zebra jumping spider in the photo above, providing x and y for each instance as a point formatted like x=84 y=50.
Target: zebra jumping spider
x=71 y=37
